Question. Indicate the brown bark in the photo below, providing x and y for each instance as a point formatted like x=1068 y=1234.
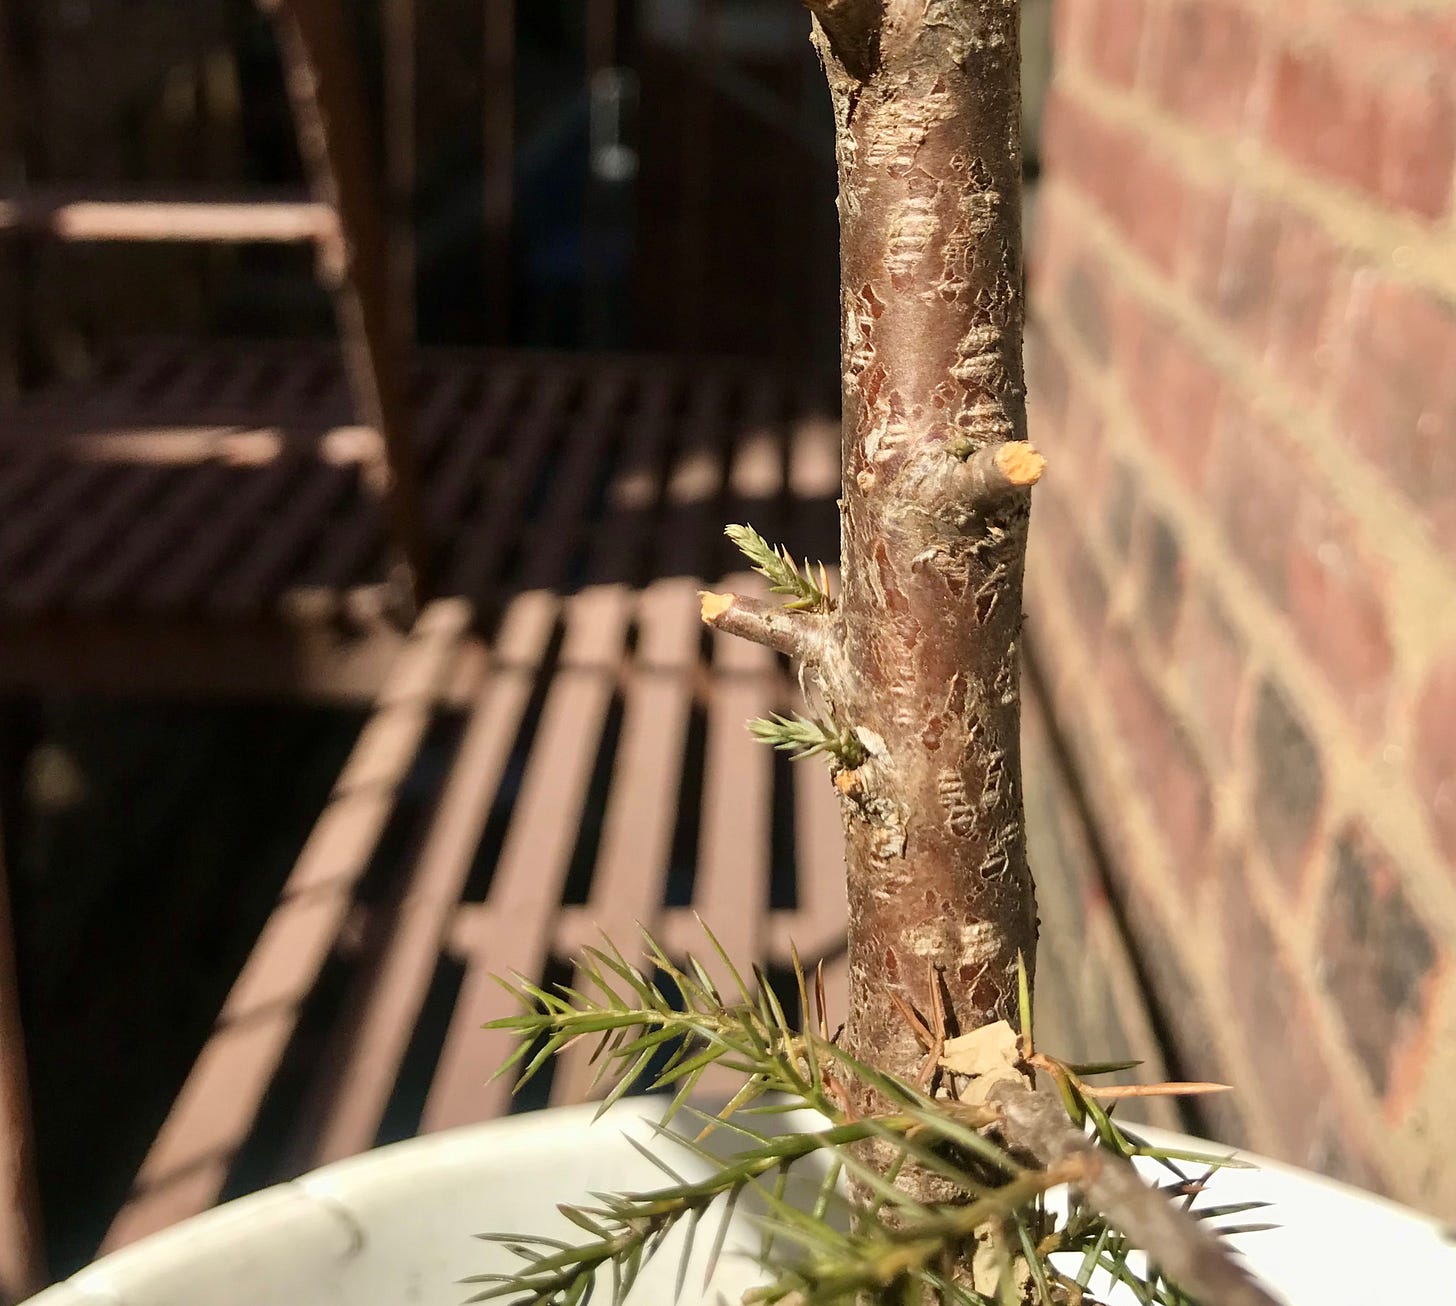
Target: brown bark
x=934 y=525
x=920 y=655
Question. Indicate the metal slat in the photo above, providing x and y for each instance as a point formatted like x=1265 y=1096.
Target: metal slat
x=362 y=1075
x=731 y=887
x=637 y=833
x=630 y=880
x=70 y=217
x=484 y=540
x=185 y=578
x=185 y=516
x=514 y=929
x=29 y=529
x=257 y=576
x=361 y=1078
x=342 y=554
x=189 y=1161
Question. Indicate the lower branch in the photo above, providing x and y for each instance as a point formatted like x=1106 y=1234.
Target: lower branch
x=996 y=470
x=803 y=636
x=1177 y=1243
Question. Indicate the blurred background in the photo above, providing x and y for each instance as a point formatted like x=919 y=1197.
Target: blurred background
x=376 y=380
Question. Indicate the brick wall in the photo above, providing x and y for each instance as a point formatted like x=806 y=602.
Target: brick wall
x=1242 y=596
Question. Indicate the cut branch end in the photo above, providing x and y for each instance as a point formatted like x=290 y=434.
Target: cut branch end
x=715 y=605
x=1019 y=463
x=799 y=634
x=996 y=470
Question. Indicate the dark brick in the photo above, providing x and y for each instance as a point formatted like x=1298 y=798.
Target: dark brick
x=1055 y=534
x=1274 y=1019
x=1121 y=502
x=1250 y=486
x=1288 y=783
x=1047 y=382
x=1246 y=267
x=1082 y=302
x=1435 y=759
x=1186 y=1027
x=1377 y=958
x=1212 y=662
x=1168 y=769
x=1162 y=577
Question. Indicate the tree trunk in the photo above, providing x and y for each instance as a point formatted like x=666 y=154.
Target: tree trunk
x=934 y=514
x=917 y=662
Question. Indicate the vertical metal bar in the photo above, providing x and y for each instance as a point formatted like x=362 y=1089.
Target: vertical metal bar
x=329 y=112
x=601 y=36
x=697 y=176
x=22 y=1246
x=21 y=155
x=401 y=160
x=498 y=161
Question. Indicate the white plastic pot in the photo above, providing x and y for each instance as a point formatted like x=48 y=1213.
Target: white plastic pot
x=396 y=1227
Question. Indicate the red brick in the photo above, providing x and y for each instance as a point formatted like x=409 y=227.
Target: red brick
x=1201 y=60
x=1305 y=554
x=1418 y=142
x=1212 y=662
x=1337 y=607
x=1378 y=962
x=1070 y=25
x=1392 y=35
x=1150 y=200
x=1435 y=759
x=1398 y=398
x=1114 y=39
x=1060 y=563
x=1207 y=219
x=1176 y=393
x=1080 y=148
x=1388 y=132
x=1140 y=190
x=1246 y=267
x=1289 y=784
x=1306 y=267
x=1324 y=121
x=1167 y=766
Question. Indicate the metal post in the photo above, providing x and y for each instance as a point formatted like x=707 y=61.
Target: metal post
x=498 y=162
x=329 y=113
x=22 y=1246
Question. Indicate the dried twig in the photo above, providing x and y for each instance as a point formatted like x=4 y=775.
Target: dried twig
x=1185 y=1251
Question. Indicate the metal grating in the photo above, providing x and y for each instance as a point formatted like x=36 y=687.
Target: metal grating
x=556 y=747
